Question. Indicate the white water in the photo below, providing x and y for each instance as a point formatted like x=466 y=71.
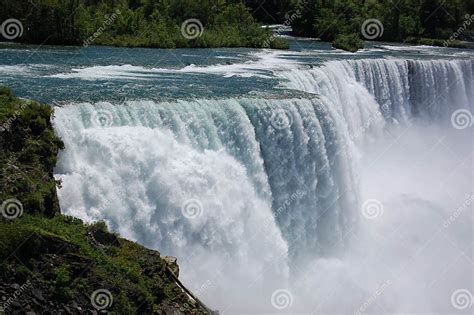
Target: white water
x=260 y=65
x=275 y=186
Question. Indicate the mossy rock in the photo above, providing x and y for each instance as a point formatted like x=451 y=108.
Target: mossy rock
x=29 y=154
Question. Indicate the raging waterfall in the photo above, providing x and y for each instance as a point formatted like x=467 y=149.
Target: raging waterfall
x=248 y=192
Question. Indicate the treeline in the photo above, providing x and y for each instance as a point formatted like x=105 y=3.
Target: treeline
x=235 y=23
x=401 y=19
x=146 y=23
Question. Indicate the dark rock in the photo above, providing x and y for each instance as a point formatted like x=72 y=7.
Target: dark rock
x=15 y=286
x=54 y=245
x=36 y=302
x=38 y=295
x=104 y=238
x=172 y=263
x=14 y=304
x=67 y=309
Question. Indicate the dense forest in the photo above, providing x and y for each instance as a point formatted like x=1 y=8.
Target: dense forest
x=233 y=23
x=150 y=23
x=401 y=19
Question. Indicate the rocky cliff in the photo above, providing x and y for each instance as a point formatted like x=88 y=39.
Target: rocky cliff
x=51 y=263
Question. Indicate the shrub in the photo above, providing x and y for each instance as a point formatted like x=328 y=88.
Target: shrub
x=350 y=42
x=5 y=91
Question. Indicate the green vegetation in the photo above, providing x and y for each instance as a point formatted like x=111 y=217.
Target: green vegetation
x=63 y=260
x=134 y=23
x=428 y=19
x=234 y=23
x=28 y=155
x=326 y=19
x=350 y=42
x=51 y=263
x=439 y=42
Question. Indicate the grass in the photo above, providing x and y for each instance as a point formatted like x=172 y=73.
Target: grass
x=118 y=267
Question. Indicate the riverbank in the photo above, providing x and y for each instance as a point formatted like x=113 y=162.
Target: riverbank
x=352 y=43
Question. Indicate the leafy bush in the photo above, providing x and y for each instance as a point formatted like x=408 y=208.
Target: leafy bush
x=5 y=91
x=350 y=42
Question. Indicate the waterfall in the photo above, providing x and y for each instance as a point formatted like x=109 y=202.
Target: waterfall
x=401 y=88
x=243 y=190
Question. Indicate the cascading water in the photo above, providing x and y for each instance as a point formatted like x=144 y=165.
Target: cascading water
x=402 y=88
x=246 y=192
x=228 y=157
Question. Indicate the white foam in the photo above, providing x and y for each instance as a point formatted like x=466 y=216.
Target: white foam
x=260 y=66
x=22 y=69
x=138 y=176
x=410 y=47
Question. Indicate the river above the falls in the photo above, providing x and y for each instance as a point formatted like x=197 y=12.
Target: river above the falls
x=97 y=73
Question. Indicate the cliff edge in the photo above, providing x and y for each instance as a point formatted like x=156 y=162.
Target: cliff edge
x=51 y=263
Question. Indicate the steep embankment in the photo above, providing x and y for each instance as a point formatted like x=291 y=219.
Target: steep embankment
x=56 y=264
